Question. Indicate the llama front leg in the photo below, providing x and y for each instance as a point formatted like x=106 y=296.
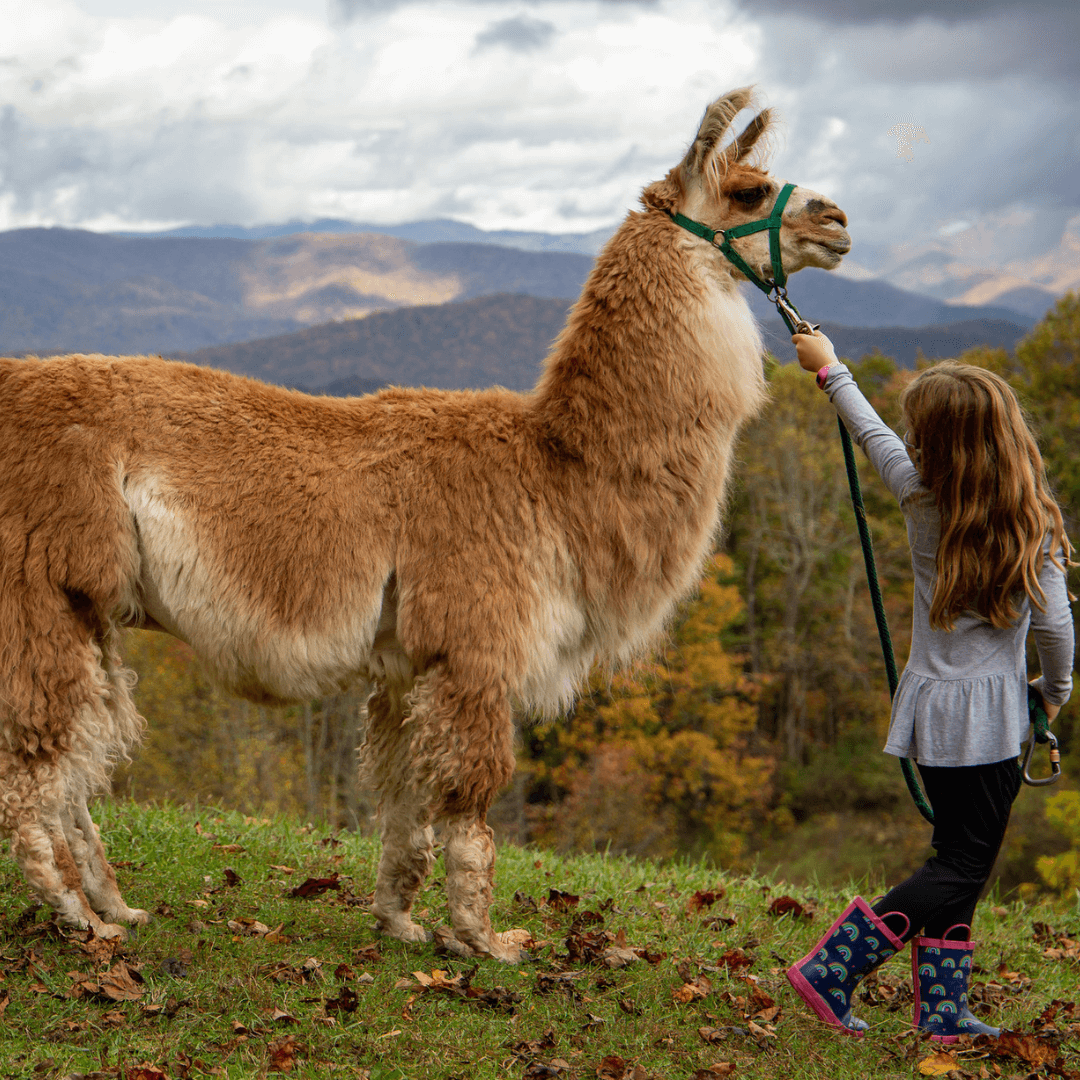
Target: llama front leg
x=97 y=876
x=470 y=886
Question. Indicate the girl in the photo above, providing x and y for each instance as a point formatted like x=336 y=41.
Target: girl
x=989 y=552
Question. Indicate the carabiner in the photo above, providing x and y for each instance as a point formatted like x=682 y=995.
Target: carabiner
x=791 y=316
x=1055 y=762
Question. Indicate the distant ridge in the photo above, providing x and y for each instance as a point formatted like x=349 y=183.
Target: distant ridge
x=434 y=231
x=489 y=340
x=65 y=290
x=503 y=339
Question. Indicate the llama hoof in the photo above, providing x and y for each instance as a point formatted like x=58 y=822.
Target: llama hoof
x=507 y=947
x=403 y=930
x=111 y=931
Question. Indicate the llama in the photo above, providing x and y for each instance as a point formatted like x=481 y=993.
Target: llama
x=467 y=553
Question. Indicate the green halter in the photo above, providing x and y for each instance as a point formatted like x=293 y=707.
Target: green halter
x=788 y=312
x=772 y=223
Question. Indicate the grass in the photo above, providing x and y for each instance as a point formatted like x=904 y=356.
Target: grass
x=237 y=978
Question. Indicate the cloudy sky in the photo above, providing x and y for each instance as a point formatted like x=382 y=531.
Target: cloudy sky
x=529 y=114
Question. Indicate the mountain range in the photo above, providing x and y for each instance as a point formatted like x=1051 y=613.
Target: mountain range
x=344 y=312
x=1022 y=258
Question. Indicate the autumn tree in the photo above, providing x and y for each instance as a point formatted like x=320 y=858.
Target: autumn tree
x=662 y=760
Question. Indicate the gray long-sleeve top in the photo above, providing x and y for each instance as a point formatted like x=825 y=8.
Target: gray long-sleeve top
x=962 y=698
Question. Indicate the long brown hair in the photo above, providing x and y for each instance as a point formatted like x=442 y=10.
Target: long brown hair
x=975 y=452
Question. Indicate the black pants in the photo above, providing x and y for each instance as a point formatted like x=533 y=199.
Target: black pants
x=971 y=808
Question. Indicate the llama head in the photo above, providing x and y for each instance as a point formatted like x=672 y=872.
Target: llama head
x=721 y=185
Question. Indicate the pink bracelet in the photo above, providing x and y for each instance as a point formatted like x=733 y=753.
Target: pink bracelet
x=822 y=375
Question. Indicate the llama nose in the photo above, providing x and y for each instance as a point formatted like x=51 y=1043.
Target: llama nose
x=834 y=213
x=823 y=211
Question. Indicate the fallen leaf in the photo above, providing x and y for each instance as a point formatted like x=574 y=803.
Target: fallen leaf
x=144 y=1072
x=283 y=1053
x=1033 y=1049
x=612 y=1067
x=345 y=1002
x=248 y=927
x=788 y=905
x=369 y=954
x=704 y=898
x=734 y=959
x=316 y=886
x=562 y=901
x=121 y=983
x=939 y=1064
x=693 y=990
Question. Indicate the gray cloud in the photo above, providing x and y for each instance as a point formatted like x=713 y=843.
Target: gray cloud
x=348 y=10
x=520 y=33
x=898 y=11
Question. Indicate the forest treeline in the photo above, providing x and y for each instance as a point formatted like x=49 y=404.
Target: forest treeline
x=755 y=732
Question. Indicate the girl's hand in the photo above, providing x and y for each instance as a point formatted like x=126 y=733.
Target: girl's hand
x=815 y=351
x=1051 y=710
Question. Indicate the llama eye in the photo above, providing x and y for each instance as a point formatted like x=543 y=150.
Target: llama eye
x=749 y=196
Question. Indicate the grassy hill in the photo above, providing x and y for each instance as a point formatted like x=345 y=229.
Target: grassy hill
x=638 y=972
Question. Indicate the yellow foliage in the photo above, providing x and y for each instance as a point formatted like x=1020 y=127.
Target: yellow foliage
x=1062 y=872
x=659 y=761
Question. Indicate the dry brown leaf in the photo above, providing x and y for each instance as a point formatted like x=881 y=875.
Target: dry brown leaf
x=316 y=887
x=121 y=983
x=693 y=990
x=283 y=1053
x=144 y=1072
x=704 y=898
x=734 y=960
x=788 y=905
x=558 y=900
x=612 y=1067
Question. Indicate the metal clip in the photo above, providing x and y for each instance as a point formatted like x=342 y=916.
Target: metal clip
x=1055 y=762
x=802 y=326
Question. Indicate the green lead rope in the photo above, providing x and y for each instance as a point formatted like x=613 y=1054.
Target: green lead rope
x=871 y=577
x=879 y=605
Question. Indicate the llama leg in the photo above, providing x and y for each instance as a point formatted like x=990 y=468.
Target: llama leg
x=118 y=728
x=403 y=815
x=98 y=879
x=463 y=747
x=33 y=817
x=407 y=856
x=470 y=884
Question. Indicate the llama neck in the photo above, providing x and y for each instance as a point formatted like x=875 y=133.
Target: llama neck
x=660 y=359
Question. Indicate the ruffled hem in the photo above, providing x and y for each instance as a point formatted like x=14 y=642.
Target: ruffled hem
x=958 y=722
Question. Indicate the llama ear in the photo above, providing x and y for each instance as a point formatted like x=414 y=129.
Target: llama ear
x=739 y=147
x=702 y=155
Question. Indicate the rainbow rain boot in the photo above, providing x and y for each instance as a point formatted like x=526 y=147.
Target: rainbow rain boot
x=941 y=972
x=827 y=977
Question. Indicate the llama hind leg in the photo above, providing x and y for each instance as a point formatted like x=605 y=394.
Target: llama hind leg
x=470 y=886
x=97 y=876
x=33 y=817
x=117 y=729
